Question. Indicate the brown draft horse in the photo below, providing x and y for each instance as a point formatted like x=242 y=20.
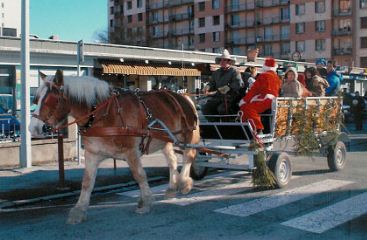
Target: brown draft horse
x=119 y=130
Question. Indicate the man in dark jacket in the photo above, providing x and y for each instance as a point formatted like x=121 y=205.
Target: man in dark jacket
x=358 y=106
x=223 y=89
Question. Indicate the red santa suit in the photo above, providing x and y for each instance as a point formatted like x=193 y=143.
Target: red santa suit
x=260 y=96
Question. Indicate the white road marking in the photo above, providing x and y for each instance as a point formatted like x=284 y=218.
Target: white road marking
x=160 y=190
x=331 y=216
x=282 y=198
x=219 y=192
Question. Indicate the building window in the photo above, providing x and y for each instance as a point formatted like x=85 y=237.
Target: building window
x=201 y=6
x=363 y=61
x=320 y=6
x=345 y=6
x=129 y=18
x=363 y=42
x=363 y=22
x=320 y=44
x=284 y=14
x=320 y=26
x=235 y=19
x=300 y=46
x=111 y=23
x=284 y=32
x=363 y=3
x=111 y=10
x=216 y=20
x=10 y=32
x=139 y=3
x=215 y=4
x=285 y=48
x=216 y=36
x=201 y=22
x=202 y=37
x=140 y=17
x=300 y=9
x=129 y=5
x=300 y=27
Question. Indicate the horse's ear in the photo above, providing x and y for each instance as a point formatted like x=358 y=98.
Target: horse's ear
x=59 y=78
x=42 y=75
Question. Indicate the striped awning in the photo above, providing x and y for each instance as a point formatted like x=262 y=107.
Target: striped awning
x=148 y=70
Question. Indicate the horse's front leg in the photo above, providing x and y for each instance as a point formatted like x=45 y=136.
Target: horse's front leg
x=185 y=181
x=79 y=212
x=173 y=173
x=146 y=197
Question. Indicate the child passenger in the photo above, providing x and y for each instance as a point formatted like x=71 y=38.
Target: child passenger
x=291 y=86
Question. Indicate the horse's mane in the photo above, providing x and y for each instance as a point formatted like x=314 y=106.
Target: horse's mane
x=83 y=90
x=88 y=90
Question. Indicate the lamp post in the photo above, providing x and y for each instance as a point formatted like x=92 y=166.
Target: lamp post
x=25 y=147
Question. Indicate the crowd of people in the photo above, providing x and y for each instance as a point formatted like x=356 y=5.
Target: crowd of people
x=252 y=93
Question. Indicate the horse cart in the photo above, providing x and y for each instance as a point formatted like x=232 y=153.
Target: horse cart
x=293 y=127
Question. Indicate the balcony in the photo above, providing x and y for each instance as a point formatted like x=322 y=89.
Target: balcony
x=158 y=5
x=267 y=3
x=269 y=20
x=342 y=51
x=342 y=31
x=160 y=34
x=242 y=41
x=180 y=16
x=178 y=3
x=284 y=2
x=241 y=7
x=271 y=38
x=242 y=24
x=284 y=36
x=342 y=12
x=183 y=31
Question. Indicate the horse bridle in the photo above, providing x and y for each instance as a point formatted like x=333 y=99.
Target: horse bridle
x=51 y=101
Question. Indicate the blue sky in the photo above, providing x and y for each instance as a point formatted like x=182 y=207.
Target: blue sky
x=71 y=20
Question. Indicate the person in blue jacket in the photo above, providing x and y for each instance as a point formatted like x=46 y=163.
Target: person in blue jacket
x=333 y=78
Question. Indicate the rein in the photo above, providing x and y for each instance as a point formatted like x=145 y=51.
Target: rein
x=88 y=115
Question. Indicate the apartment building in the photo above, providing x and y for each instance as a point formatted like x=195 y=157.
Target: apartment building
x=10 y=18
x=287 y=29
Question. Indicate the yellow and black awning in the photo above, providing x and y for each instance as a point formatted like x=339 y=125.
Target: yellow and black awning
x=148 y=70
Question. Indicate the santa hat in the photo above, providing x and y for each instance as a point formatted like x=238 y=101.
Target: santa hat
x=270 y=65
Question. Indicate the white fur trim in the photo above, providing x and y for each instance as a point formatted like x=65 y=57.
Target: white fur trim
x=266 y=68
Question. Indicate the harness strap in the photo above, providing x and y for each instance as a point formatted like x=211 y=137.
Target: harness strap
x=121 y=131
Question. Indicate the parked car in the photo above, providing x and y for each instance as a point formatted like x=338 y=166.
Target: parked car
x=9 y=124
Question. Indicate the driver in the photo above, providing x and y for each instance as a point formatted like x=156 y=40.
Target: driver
x=223 y=89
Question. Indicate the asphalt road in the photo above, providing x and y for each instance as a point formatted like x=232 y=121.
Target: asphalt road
x=317 y=204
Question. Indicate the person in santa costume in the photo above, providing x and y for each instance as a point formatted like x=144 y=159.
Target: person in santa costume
x=260 y=96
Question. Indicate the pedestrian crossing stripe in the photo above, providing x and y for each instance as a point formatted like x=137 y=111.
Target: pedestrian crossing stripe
x=218 y=193
x=160 y=190
x=329 y=217
x=282 y=198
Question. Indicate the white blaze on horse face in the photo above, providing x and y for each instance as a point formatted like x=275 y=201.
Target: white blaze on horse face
x=36 y=125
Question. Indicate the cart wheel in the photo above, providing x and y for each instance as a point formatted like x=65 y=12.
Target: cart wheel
x=336 y=157
x=280 y=165
x=198 y=172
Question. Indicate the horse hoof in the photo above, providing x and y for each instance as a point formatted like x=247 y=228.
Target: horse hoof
x=170 y=193
x=142 y=210
x=76 y=216
x=186 y=186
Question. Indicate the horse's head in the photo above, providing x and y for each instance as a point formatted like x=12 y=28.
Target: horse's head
x=52 y=107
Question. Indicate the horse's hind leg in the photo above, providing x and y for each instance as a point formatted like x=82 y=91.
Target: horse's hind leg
x=185 y=181
x=173 y=173
x=146 y=197
x=79 y=212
